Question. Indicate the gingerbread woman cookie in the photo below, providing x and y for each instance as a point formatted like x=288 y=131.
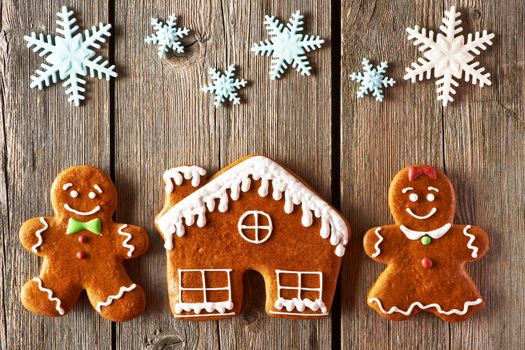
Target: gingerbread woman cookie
x=83 y=249
x=425 y=251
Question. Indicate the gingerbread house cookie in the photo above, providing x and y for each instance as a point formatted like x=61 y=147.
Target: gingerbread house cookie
x=425 y=251
x=252 y=215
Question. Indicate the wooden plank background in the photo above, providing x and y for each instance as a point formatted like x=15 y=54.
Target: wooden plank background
x=153 y=117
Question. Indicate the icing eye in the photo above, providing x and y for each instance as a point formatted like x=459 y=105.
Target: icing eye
x=413 y=197
x=430 y=197
x=73 y=194
x=92 y=195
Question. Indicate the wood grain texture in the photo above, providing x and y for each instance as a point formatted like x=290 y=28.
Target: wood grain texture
x=476 y=140
x=181 y=126
x=43 y=134
x=153 y=117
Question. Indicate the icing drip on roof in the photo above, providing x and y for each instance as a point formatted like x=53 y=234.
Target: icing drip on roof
x=178 y=175
x=239 y=178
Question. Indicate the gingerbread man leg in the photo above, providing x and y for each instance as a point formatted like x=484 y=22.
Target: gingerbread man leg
x=49 y=294
x=116 y=297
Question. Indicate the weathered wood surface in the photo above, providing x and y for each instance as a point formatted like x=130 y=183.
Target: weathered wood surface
x=478 y=141
x=154 y=117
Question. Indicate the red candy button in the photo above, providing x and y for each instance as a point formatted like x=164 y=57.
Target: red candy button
x=81 y=255
x=426 y=263
x=82 y=239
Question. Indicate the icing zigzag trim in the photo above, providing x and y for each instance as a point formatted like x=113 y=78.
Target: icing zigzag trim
x=471 y=240
x=115 y=297
x=50 y=296
x=424 y=307
x=128 y=236
x=376 y=246
x=38 y=233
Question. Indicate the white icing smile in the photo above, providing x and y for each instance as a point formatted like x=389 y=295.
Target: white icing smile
x=83 y=213
x=419 y=217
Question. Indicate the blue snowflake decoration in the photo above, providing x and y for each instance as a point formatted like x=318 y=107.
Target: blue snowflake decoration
x=372 y=80
x=71 y=56
x=224 y=86
x=167 y=35
x=287 y=46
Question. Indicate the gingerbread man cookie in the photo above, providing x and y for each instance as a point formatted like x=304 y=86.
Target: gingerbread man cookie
x=425 y=251
x=83 y=249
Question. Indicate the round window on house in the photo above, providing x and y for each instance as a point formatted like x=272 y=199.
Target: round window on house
x=255 y=226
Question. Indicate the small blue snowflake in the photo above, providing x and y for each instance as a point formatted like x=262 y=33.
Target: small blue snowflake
x=224 y=86
x=372 y=80
x=167 y=35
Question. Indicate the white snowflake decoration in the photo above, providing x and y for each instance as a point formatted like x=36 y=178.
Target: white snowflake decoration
x=372 y=80
x=449 y=56
x=224 y=86
x=70 y=56
x=167 y=35
x=287 y=45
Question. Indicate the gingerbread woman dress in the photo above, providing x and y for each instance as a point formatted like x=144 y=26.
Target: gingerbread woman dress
x=425 y=252
x=83 y=249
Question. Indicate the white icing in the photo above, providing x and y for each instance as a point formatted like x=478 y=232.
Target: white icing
x=430 y=188
x=376 y=246
x=298 y=314
x=73 y=194
x=437 y=233
x=92 y=195
x=256 y=227
x=430 y=197
x=421 y=217
x=83 y=213
x=38 y=233
x=178 y=175
x=231 y=182
x=406 y=189
x=206 y=315
x=299 y=303
x=128 y=236
x=219 y=306
x=413 y=197
x=66 y=186
x=97 y=187
x=50 y=296
x=471 y=240
x=117 y=296
x=424 y=307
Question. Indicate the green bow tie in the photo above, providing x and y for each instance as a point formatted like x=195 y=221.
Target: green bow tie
x=73 y=226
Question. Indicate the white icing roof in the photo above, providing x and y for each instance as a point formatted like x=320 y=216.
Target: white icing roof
x=238 y=178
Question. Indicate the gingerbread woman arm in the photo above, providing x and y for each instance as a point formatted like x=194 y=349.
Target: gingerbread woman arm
x=32 y=234
x=131 y=241
x=477 y=242
x=373 y=243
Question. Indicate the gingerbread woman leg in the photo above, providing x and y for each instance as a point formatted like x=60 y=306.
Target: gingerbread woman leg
x=116 y=297
x=49 y=295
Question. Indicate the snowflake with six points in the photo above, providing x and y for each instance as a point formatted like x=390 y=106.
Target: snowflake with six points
x=449 y=56
x=287 y=45
x=70 y=56
x=372 y=80
x=224 y=86
x=167 y=35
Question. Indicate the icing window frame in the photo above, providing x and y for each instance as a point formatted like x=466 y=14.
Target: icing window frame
x=256 y=227
x=300 y=283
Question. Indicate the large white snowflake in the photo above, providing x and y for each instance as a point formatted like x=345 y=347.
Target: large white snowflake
x=224 y=86
x=70 y=56
x=372 y=79
x=287 y=45
x=167 y=35
x=449 y=56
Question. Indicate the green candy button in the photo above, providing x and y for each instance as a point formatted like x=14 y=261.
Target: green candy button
x=425 y=240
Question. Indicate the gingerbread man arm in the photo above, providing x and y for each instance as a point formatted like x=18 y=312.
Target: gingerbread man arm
x=374 y=243
x=477 y=242
x=131 y=241
x=32 y=234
